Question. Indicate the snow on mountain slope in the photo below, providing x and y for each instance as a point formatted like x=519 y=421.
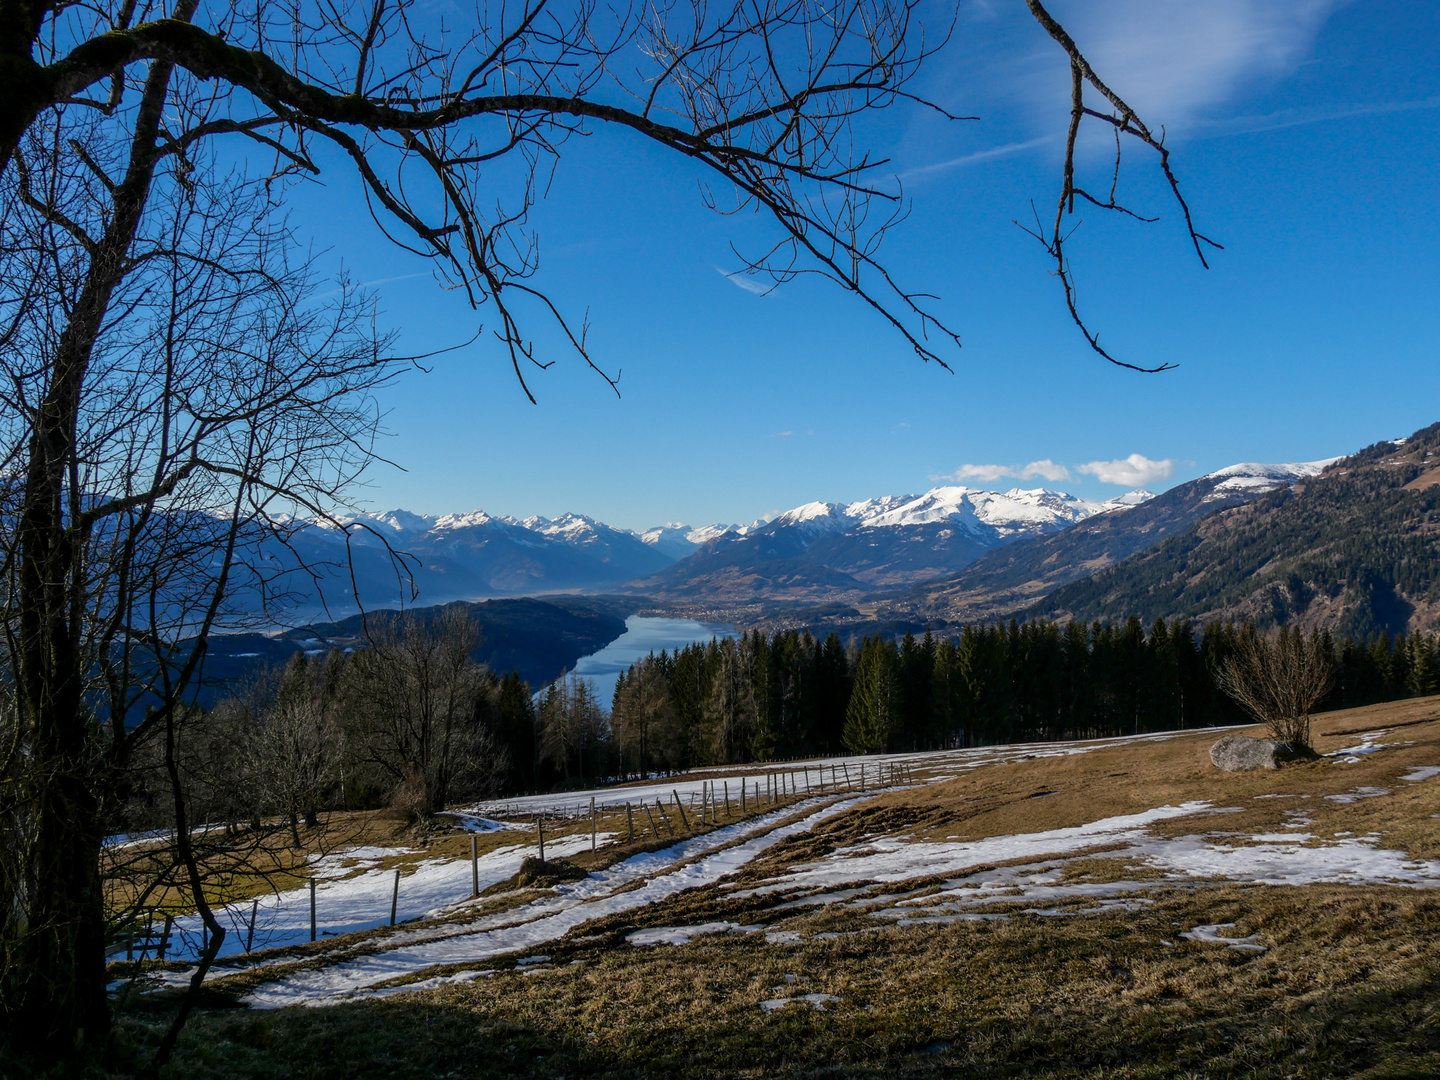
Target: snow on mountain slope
x=678 y=540
x=1008 y=513
x=1255 y=478
x=1129 y=499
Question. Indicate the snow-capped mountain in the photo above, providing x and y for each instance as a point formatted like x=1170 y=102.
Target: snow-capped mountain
x=470 y=556
x=678 y=540
x=1250 y=478
x=1009 y=578
x=828 y=548
x=816 y=549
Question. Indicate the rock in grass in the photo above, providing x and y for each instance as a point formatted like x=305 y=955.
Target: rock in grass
x=1236 y=753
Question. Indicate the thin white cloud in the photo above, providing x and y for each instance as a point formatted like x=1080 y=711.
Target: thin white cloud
x=1008 y=150
x=371 y=284
x=1288 y=118
x=744 y=281
x=986 y=474
x=780 y=434
x=1175 y=61
x=1044 y=469
x=1133 y=471
x=1171 y=59
x=388 y=280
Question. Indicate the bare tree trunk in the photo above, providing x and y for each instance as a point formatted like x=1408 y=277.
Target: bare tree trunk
x=57 y=1000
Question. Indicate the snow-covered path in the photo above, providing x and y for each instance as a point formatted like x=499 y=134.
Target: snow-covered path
x=353 y=893
x=551 y=917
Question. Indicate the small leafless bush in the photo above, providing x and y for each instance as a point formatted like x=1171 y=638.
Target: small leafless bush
x=1278 y=679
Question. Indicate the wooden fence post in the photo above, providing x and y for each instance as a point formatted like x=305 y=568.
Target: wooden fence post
x=474 y=865
x=395 y=896
x=165 y=936
x=629 y=824
x=312 y=909
x=664 y=816
x=651 y=819
x=742 y=795
x=727 y=798
x=540 y=834
x=250 y=931
x=594 y=823
x=680 y=806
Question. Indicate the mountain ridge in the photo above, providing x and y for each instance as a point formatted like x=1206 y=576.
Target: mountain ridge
x=1354 y=549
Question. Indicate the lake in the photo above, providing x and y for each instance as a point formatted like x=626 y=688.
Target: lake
x=643 y=635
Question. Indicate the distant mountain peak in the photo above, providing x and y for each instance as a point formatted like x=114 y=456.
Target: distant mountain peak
x=1255 y=478
x=1129 y=499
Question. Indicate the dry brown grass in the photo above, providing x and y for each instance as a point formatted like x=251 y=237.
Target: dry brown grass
x=1349 y=986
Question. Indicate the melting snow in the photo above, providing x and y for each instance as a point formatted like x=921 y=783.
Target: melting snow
x=550 y=917
x=1210 y=935
x=1359 y=793
x=815 y=1001
x=683 y=935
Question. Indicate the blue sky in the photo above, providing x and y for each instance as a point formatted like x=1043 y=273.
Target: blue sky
x=1304 y=135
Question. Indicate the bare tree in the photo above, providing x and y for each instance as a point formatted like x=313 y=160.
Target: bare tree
x=415 y=700
x=1278 y=679
x=295 y=743
x=170 y=394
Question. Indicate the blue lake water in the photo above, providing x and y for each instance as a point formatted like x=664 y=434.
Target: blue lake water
x=643 y=635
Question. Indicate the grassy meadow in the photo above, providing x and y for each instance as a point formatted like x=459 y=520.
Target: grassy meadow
x=867 y=980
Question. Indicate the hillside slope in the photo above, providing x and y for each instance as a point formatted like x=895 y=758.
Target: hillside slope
x=1009 y=578
x=537 y=638
x=1355 y=550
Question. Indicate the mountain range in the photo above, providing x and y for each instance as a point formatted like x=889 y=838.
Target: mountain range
x=1011 y=578
x=1354 y=550
x=903 y=550
x=839 y=551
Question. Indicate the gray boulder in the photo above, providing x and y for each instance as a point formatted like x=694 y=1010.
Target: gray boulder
x=1236 y=753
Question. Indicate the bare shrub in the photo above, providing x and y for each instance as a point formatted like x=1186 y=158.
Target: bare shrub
x=1278 y=678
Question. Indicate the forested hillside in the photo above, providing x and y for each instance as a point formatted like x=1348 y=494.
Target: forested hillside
x=1010 y=578
x=759 y=698
x=539 y=639
x=1355 y=550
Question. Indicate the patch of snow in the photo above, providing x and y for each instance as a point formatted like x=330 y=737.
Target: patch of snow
x=892 y=859
x=1210 y=935
x=1368 y=745
x=683 y=935
x=1359 y=793
x=1423 y=772
x=1257 y=478
x=815 y=1001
